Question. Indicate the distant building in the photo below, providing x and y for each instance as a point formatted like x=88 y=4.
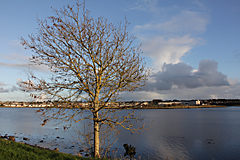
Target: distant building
x=169 y=103
x=156 y=101
x=198 y=102
x=192 y=102
x=144 y=103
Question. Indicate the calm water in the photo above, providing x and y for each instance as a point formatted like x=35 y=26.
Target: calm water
x=211 y=133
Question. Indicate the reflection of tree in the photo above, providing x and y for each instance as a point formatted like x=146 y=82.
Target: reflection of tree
x=90 y=60
x=108 y=136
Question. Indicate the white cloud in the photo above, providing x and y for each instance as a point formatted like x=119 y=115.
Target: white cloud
x=3 y=90
x=167 y=37
x=7 y=90
x=14 y=64
x=169 y=41
x=146 y=5
x=167 y=50
x=27 y=65
x=140 y=95
x=203 y=92
x=186 y=22
x=16 y=53
x=19 y=58
x=2 y=84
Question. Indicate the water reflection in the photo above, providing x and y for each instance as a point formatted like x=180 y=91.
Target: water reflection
x=191 y=134
x=175 y=134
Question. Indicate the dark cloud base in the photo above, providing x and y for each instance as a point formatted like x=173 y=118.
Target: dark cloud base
x=181 y=75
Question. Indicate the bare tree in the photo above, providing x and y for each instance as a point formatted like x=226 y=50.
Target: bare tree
x=90 y=60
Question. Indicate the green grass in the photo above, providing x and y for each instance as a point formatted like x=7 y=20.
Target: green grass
x=10 y=150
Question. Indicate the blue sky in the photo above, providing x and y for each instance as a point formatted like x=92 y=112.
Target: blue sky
x=193 y=46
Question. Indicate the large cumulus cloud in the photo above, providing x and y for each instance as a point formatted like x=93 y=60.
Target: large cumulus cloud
x=181 y=75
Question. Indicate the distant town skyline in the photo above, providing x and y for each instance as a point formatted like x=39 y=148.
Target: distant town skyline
x=192 y=46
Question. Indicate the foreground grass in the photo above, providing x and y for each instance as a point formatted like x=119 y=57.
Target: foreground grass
x=10 y=150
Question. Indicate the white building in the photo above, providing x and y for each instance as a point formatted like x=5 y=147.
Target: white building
x=192 y=102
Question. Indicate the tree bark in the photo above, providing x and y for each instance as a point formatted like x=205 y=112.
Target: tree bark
x=96 y=136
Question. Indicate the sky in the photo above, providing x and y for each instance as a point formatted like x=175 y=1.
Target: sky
x=192 y=46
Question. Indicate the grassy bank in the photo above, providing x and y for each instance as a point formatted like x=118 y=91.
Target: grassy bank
x=13 y=150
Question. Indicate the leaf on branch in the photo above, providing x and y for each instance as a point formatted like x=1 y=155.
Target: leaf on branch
x=44 y=122
x=63 y=28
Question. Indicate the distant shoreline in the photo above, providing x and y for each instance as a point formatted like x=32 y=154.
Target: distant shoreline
x=138 y=107
x=181 y=107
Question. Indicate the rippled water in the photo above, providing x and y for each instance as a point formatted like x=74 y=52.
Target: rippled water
x=210 y=133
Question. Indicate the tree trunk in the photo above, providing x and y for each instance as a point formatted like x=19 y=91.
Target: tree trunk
x=96 y=126
x=96 y=136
